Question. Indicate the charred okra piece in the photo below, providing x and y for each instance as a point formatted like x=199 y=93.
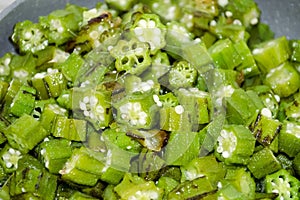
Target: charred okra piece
x=265 y=128
x=134 y=187
x=263 y=163
x=25 y=133
x=283 y=184
x=235 y=144
x=49 y=84
x=32 y=178
x=54 y=153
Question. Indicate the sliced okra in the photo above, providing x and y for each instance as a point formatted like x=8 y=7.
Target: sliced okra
x=182 y=148
x=238 y=184
x=284 y=80
x=171 y=118
x=134 y=187
x=134 y=84
x=272 y=53
x=182 y=74
x=71 y=67
x=136 y=110
x=289 y=138
x=50 y=113
x=60 y=25
x=49 y=84
x=23 y=102
x=192 y=189
x=283 y=184
x=235 y=144
x=206 y=166
x=131 y=56
x=92 y=105
x=71 y=129
x=54 y=153
x=3 y=90
x=292 y=109
x=225 y=55
x=31 y=177
x=167 y=184
x=23 y=66
x=5 y=69
x=196 y=101
x=262 y=163
x=25 y=133
x=9 y=158
x=248 y=65
x=265 y=128
x=295 y=47
x=40 y=106
x=29 y=37
x=82 y=167
x=14 y=87
x=240 y=108
x=147 y=27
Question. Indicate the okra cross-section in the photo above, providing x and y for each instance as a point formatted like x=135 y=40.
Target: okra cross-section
x=136 y=110
x=235 y=144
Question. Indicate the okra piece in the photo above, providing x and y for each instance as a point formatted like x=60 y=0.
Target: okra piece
x=122 y=6
x=50 y=113
x=136 y=110
x=31 y=177
x=134 y=84
x=23 y=102
x=284 y=80
x=206 y=166
x=235 y=144
x=147 y=27
x=5 y=70
x=295 y=47
x=167 y=184
x=134 y=187
x=283 y=184
x=9 y=158
x=263 y=163
x=29 y=37
x=238 y=184
x=109 y=193
x=23 y=66
x=82 y=167
x=271 y=54
x=25 y=133
x=60 y=25
x=182 y=74
x=54 y=153
x=292 y=108
x=121 y=139
x=131 y=56
x=13 y=88
x=265 y=128
x=92 y=105
x=196 y=101
x=192 y=189
x=246 y=11
x=71 y=129
x=248 y=65
x=225 y=55
x=71 y=67
x=289 y=138
x=240 y=108
x=49 y=84
x=182 y=148
x=171 y=118
x=81 y=196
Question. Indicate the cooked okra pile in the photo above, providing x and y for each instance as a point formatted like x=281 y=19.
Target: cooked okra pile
x=150 y=100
